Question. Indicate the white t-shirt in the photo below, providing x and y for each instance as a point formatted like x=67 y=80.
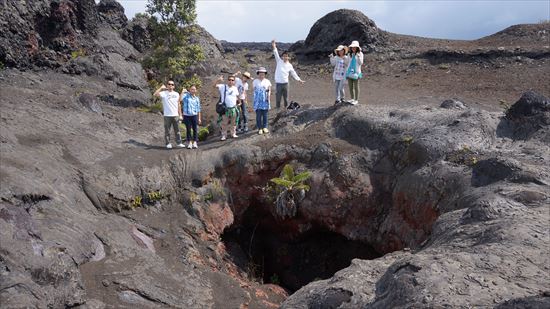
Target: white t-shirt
x=239 y=83
x=170 y=103
x=265 y=83
x=231 y=94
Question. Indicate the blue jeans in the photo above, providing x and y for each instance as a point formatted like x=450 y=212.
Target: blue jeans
x=191 y=123
x=261 y=118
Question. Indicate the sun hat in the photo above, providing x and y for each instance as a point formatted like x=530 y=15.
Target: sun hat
x=261 y=70
x=355 y=44
x=247 y=75
x=341 y=47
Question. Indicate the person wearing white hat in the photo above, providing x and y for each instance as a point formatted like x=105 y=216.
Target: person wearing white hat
x=353 y=72
x=340 y=63
x=283 y=69
x=262 y=93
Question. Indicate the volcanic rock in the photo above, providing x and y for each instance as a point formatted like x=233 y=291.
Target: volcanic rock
x=112 y=13
x=340 y=27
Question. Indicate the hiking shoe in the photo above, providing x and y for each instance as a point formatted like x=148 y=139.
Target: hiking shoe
x=195 y=145
x=266 y=131
x=190 y=145
x=180 y=145
x=168 y=146
x=223 y=137
x=261 y=131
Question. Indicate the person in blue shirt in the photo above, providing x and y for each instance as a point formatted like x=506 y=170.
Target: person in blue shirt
x=191 y=109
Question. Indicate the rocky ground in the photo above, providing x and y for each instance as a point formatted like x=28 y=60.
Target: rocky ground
x=429 y=205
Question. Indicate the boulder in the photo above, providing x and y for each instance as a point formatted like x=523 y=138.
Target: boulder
x=339 y=27
x=530 y=115
x=112 y=13
x=138 y=33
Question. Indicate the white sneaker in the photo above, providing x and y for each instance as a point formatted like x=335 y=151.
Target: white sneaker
x=235 y=135
x=261 y=131
x=190 y=145
x=353 y=102
x=168 y=146
x=180 y=145
x=223 y=137
x=195 y=145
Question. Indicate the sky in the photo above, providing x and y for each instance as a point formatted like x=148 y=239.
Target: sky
x=290 y=21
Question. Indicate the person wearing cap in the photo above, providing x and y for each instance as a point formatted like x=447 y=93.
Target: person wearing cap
x=171 y=111
x=242 y=85
x=353 y=71
x=340 y=63
x=228 y=93
x=262 y=93
x=283 y=69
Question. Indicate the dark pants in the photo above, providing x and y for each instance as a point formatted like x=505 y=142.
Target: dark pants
x=191 y=122
x=282 y=91
x=171 y=122
x=243 y=119
x=261 y=118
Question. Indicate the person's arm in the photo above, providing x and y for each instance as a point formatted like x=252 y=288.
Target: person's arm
x=180 y=103
x=332 y=59
x=275 y=51
x=217 y=82
x=157 y=92
x=295 y=76
x=360 y=58
x=199 y=100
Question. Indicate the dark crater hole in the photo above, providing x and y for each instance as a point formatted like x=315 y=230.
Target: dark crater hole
x=271 y=250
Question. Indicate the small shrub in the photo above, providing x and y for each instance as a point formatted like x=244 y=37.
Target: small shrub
x=203 y=133
x=505 y=105
x=154 y=196
x=2 y=66
x=275 y=279
x=289 y=190
x=208 y=197
x=194 y=80
x=155 y=108
x=407 y=139
x=136 y=202
x=444 y=66
x=78 y=53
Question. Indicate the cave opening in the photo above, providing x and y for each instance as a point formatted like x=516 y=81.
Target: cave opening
x=271 y=250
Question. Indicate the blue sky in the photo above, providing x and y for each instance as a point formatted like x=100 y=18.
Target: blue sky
x=290 y=21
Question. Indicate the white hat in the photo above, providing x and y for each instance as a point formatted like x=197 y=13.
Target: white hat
x=355 y=44
x=341 y=47
x=261 y=70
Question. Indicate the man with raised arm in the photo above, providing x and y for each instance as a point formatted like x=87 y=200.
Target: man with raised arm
x=171 y=111
x=284 y=68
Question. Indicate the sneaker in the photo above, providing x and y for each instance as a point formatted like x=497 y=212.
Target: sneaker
x=245 y=129
x=353 y=102
x=337 y=102
x=168 y=146
x=260 y=131
x=195 y=145
x=266 y=131
x=190 y=145
x=234 y=135
x=223 y=137
x=180 y=145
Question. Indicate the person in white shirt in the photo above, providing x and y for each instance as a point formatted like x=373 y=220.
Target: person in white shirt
x=228 y=94
x=242 y=85
x=172 y=112
x=353 y=72
x=284 y=68
x=262 y=94
x=340 y=63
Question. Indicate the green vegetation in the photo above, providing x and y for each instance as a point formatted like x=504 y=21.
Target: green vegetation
x=203 y=133
x=289 y=189
x=154 y=196
x=407 y=139
x=505 y=105
x=275 y=279
x=154 y=108
x=463 y=156
x=172 y=54
x=78 y=53
x=136 y=202
x=2 y=66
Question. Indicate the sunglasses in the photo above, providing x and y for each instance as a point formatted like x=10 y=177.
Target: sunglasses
x=170 y=84
x=231 y=80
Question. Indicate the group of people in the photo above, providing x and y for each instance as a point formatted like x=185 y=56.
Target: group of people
x=233 y=95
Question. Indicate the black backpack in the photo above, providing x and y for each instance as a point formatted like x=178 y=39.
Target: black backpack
x=220 y=106
x=293 y=105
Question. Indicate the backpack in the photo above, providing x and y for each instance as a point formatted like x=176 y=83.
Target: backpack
x=293 y=105
x=220 y=106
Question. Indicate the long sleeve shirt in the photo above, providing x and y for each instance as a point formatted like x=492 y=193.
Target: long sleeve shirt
x=191 y=104
x=283 y=70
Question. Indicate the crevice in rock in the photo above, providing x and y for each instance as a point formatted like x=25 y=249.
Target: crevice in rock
x=270 y=251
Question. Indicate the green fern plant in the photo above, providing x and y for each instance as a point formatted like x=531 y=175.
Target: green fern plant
x=289 y=189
